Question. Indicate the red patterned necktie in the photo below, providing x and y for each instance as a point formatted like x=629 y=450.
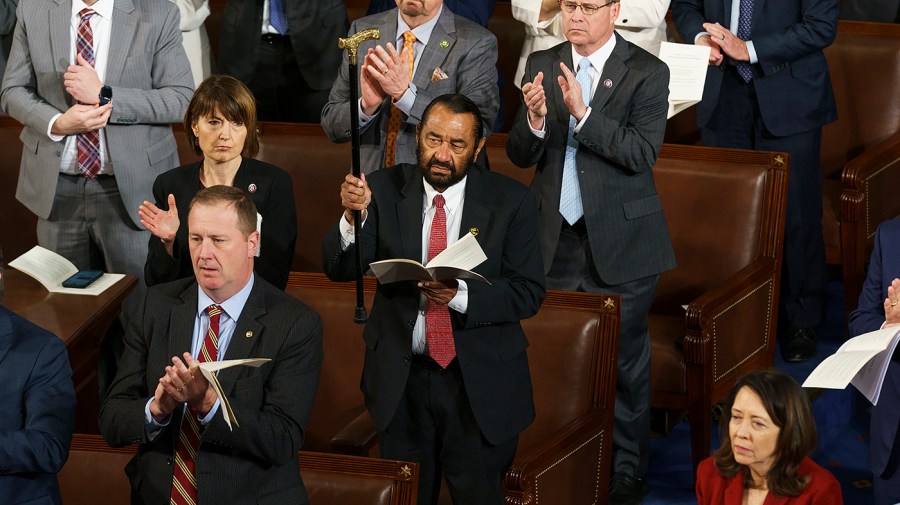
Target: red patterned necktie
x=441 y=346
x=184 y=482
x=88 y=142
x=390 y=145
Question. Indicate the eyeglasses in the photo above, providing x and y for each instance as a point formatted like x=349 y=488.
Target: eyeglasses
x=587 y=9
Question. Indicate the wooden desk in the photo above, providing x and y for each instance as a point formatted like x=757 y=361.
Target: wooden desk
x=79 y=321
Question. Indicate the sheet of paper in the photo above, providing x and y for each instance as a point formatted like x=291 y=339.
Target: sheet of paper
x=836 y=371
x=52 y=269
x=465 y=254
x=687 y=64
x=209 y=370
x=871 y=377
x=98 y=286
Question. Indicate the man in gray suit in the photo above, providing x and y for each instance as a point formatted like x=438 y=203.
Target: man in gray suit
x=449 y=54
x=593 y=121
x=86 y=167
x=160 y=399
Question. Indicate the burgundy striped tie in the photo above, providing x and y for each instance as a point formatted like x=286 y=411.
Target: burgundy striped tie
x=88 y=142
x=184 y=481
x=441 y=346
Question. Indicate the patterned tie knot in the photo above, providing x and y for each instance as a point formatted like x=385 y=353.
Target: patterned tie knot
x=214 y=310
x=439 y=201
x=409 y=38
x=86 y=14
x=584 y=64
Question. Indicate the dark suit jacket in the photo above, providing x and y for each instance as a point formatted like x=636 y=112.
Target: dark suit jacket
x=478 y=11
x=792 y=83
x=255 y=463
x=313 y=26
x=490 y=344
x=618 y=146
x=468 y=61
x=274 y=200
x=713 y=489
x=38 y=412
x=884 y=267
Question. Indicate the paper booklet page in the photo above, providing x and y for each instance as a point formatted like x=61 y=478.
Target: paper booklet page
x=861 y=361
x=51 y=270
x=454 y=262
x=687 y=64
x=209 y=369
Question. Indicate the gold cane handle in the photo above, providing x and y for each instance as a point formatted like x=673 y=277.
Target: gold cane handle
x=351 y=44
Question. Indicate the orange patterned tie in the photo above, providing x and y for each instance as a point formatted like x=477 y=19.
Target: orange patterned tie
x=184 y=477
x=390 y=151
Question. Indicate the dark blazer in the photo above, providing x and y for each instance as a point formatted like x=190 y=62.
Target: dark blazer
x=490 y=344
x=713 y=489
x=38 y=412
x=273 y=196
x=884 y=267
x=313 y=26
x=255 y=463
x=792 y=83
x=478 y=11
x=618 y=146
x=468 y=61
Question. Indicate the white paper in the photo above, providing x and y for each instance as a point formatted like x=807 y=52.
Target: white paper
x=861 y=361
x=209 y=369
x=454 y=262
x=51 y=270
x=687 y=64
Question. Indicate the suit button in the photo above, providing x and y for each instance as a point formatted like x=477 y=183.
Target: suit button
x=407 y=358
x=168 y=461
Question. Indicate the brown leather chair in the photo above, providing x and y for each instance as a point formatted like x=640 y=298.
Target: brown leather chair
x=725 y=209
x=95 y=473
x=19 y=225
x=565 y=454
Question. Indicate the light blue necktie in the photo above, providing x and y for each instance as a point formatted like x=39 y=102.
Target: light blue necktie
x=277 y=17
x=570 y=195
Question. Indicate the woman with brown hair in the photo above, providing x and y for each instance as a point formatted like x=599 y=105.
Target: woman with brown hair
x=220 y=124
x=767 y=431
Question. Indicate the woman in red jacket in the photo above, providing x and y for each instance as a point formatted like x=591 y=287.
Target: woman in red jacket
x=767 y=431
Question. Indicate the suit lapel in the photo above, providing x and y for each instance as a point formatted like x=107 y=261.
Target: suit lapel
x=726 y=19
x=60 y=17
x=613 y=72
x=551 y=81
x=435 y=53
x=181 y=324
x=475 y=215
x=122 y=34
x=409 y=213
x=247 y=333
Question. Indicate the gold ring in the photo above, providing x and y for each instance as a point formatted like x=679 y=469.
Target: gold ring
x=722 y=37
x=893 y=304
x=181 y=389
x=384 y=72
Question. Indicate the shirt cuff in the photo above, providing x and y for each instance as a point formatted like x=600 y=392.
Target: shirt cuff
x=364 y=120
x=537 y=133
x=406 y=102
x=583 y=120
x=348 y=237
x=55 y=138
x=752 y=50
x=151 y=427
x=209 y=415
x=701 y=34
x=460 y=302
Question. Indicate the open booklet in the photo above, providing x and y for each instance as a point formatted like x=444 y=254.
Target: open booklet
x=862 y=361
x=454 y=262
x=687 y=64
x=51 y=270
x=209 y=369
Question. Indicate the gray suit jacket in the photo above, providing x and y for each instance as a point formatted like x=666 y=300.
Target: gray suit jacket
x=151 y=81
x=468 y=59
x=618 y=146
x=255 y=462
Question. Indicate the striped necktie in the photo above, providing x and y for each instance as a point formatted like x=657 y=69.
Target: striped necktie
x=88 y=152
x=184 y=480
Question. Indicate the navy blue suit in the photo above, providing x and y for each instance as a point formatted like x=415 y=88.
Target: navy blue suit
x=884 y=267
x=783 y=108
x=38 y=412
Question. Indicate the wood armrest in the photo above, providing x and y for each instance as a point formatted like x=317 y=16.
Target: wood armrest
x=857 y=171
x=358 y=438
x=733 y=296
x=581 y=451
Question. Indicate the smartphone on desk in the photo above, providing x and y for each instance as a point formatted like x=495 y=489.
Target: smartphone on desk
x=82 y=279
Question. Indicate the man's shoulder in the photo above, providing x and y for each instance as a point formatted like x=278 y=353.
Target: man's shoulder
x=280 y=304
x=168 y=292
x=376 y=20
x=23 y=334
x=470 y=30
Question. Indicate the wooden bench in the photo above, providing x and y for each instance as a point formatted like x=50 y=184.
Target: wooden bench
x=95 y=473
x=565 y=454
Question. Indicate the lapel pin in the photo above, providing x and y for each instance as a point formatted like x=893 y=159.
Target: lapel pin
x=473 y=231
x=607 y=83
x=248 y=334
x=444 y=43
x=252 y=187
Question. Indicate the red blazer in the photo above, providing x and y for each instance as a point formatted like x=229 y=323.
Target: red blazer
x=713 y=489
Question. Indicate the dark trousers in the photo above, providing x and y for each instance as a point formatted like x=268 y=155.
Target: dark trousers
x=434 y=426
x=573 y=270
x=737 y=123
x=281 y=92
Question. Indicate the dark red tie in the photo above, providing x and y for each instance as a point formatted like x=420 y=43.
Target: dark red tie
x=88 y=142
x=184 y=481
x=441 y=346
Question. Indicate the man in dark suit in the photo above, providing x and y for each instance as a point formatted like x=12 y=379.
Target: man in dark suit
x=768 y=88
x=595 y=136
x=446 y=377
x=878 y=11
x=478 y=11
x=878 y=308
x=425 y=51
x=38 y=412
x=161 y=401
x=285 y=51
